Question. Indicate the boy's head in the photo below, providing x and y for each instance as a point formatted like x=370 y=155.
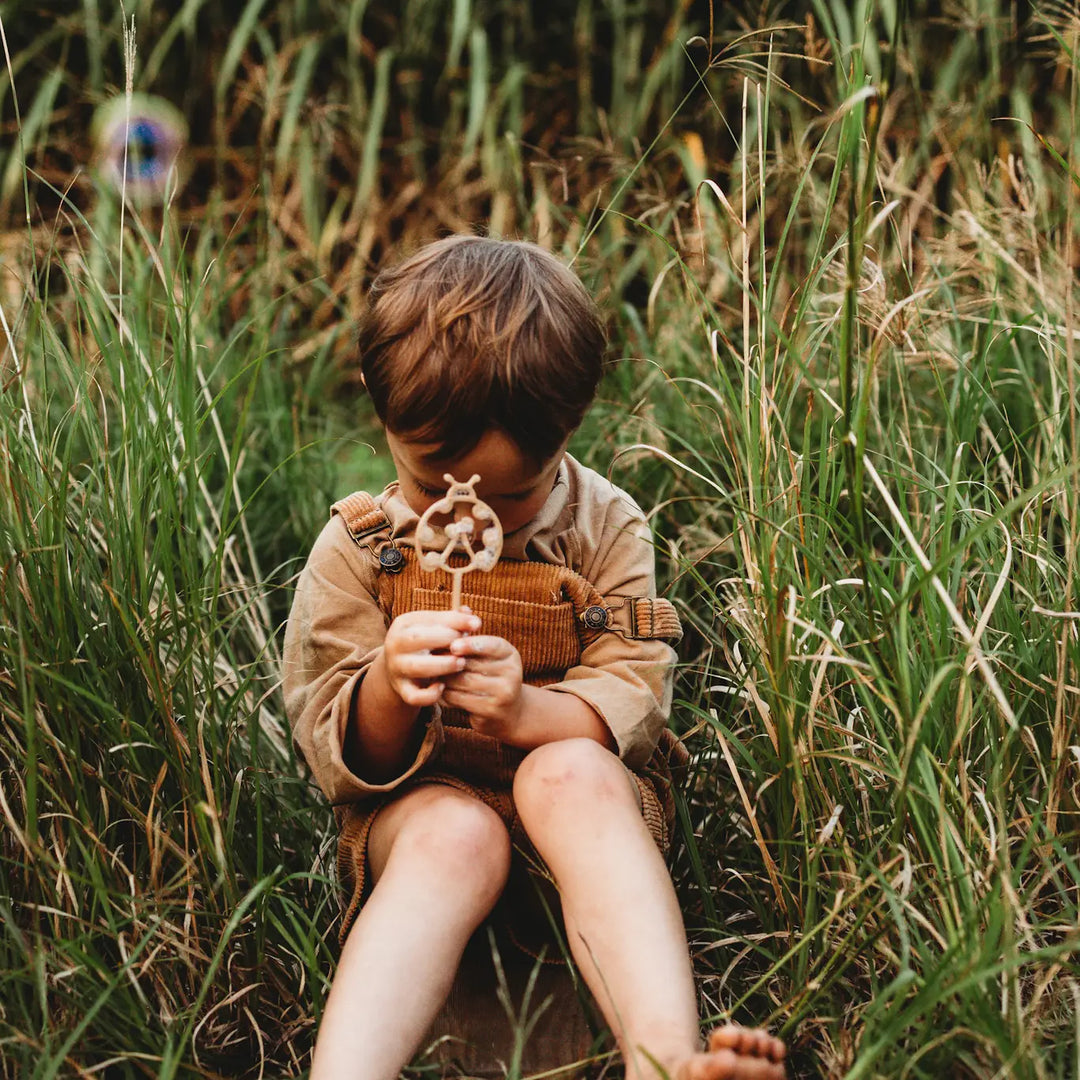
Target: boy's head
x=472 y=335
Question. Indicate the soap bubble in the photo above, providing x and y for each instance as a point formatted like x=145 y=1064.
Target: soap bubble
x=154 y=133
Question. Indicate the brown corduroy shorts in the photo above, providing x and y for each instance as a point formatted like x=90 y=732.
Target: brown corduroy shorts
x=657 y=810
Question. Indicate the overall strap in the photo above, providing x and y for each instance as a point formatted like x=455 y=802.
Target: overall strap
x=637 y=617
x=370 y=528
x=361 y=516
x=641 y=617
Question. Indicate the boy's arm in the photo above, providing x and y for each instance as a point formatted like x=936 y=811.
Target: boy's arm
x=333 y=641
x=499 y=704
x=547 y=715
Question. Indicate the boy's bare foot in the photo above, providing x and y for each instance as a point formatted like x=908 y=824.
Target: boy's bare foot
x=736 y=1053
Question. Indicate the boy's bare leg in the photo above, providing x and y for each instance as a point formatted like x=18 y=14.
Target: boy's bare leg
x=624 y=926
x=440 y=860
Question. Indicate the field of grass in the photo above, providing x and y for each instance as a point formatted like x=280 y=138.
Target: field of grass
x=838 y=245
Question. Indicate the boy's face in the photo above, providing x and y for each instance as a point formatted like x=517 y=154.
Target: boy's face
x=510 y=483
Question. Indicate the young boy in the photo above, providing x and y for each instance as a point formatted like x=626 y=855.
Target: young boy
x=528 y=719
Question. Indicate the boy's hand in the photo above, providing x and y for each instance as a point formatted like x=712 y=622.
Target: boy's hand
x=414 y=653
x=489 y=688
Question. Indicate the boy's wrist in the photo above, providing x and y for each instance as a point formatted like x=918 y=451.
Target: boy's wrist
x=381 y=730
x=545 y=716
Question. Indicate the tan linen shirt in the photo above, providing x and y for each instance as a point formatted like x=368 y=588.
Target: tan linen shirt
x=336 y=627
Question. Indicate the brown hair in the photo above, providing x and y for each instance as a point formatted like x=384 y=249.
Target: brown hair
x=470 y=334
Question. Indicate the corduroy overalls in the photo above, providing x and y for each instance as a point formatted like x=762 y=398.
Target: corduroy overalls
x=549 y=614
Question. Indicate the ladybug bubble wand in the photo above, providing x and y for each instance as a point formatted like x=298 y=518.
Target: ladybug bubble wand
x=459 y=535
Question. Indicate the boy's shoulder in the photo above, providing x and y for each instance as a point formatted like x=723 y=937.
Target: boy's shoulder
x=592 y=496
x=604 y=526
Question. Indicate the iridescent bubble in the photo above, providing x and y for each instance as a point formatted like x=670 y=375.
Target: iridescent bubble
x=139 y=148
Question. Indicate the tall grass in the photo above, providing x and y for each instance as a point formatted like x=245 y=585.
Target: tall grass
x=870 y=489
x=144 y=752
x=839 y=250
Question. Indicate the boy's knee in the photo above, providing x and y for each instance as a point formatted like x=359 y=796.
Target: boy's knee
x=462 y=839
x=570 y=774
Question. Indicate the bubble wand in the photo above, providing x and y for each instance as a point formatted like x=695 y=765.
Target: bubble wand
x=459 y=535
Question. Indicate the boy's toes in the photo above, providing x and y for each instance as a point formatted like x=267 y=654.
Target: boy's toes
x=752 y=1042
x=729 y=1065
x=736 y=1053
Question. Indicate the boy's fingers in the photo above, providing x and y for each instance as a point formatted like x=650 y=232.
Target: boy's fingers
x=487 y=646
x=464 y=621
x=470 y=682
x=469 y=703
x=428 y=637
x=429 y=665
x=419 y=696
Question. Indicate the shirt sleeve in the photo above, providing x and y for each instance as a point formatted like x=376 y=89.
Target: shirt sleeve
x=335 y=630
x=628 y=682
